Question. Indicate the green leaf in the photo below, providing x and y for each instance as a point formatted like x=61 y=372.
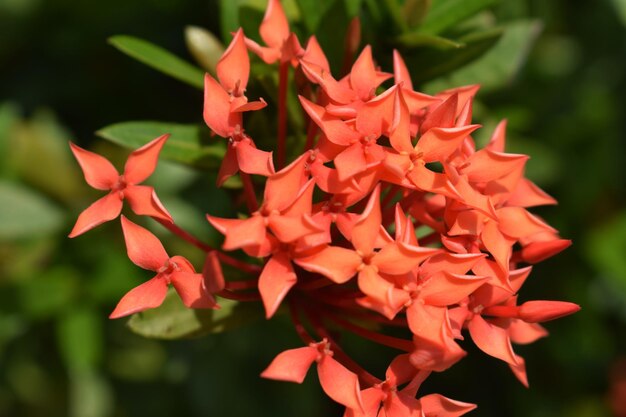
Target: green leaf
x=188 y=144
x=9 y=116
x=172 y=320
x=415 y=11
x=25 y=213
x=159 y=59
x=332 y=32
x=445 y=14
x=620 y=7
x=413 y=39
x=312 y=12
x=427 y=64
x=48 y=293
x=79 y=335
x=395 y=11
x=205 y=47
x=499 y=65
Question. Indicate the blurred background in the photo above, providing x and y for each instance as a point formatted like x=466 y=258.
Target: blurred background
x=564 y=98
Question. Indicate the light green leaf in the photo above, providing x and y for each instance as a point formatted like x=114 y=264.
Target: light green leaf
x=188 y=144
x=25 y=213
x=445 y=14
x=172 y=320
x=205 y=47
x=90 y=394
x=499 y=65
x=159 y=59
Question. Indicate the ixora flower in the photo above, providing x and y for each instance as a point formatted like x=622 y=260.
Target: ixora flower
x=146 y=251
x=387 y=223
x=101 y=175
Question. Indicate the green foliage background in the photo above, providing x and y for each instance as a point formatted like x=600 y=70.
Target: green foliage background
x=555 y=69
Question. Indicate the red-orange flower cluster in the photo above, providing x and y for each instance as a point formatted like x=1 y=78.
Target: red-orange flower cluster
x=337 y=229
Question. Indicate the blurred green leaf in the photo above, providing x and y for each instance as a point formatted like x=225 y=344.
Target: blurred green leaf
x=446 y=13
x=605 y=248
x=39 y=146
x=396 y=13
x=159 y=59
x=90 y=394
x=172 y=320
x=80 y=339
x=332 y=32
x=498 y=66
x=428 y=64
x=9 y=116
x=49 y=293
x=312 y=12
x=414 y=11
x=25 y=213
x=187 y=143
x=620 y=7
x=205 y=47
x=413 y=39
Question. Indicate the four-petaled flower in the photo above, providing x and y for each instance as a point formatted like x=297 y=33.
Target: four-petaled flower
x=101 y=175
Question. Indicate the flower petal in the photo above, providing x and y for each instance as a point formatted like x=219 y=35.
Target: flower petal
x=143 y=248
x=291 y=365
x=212 y=273
x=233 y=68
x=435 y=405
x=102 y=210
x=150 y=294
x=275 y=281
x=190 y=288
x=491 y=339
x=339 y=383
x=217 y=114
x=335 y=263
x=252 y=160
x=274 y=29
x=98 y=171
x=144 y=201
x=142 y=162
x=365 y=230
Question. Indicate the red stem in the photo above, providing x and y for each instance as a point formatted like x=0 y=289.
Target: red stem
x=393 y=342
x=338 y=352
x=248 y=189
x=208 y=248
x=239 y=296
x=283 y=78
x=300 y=329
x=242 y=285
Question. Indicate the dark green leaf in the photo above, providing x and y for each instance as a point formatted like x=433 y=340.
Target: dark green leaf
x=499 y=65
x=446 y=13
x=172 y=320
x=332 y=33
x=312 y=12
x=415 y=11
x=395 y=12
x=189 y=144
x=25 y=213
x=159 y=59
x=426 y=64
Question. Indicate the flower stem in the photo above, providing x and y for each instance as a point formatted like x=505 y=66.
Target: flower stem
x=283 y=78
x=236 y=263
x=248 y=189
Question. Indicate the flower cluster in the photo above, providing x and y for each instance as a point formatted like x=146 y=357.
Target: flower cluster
x=337 y=228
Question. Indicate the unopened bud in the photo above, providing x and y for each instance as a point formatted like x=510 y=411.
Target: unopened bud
x=205 y=47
